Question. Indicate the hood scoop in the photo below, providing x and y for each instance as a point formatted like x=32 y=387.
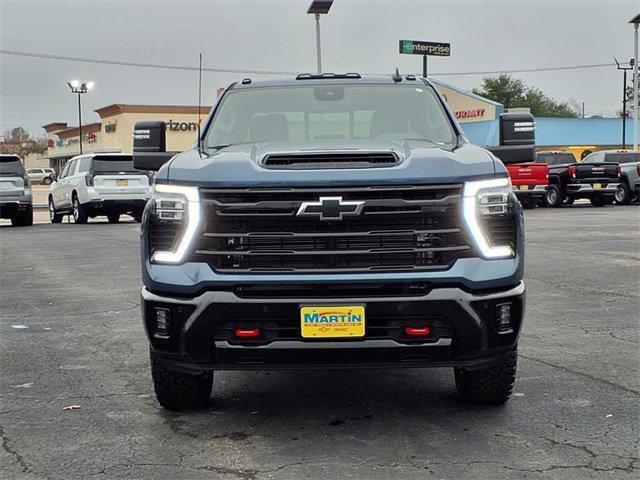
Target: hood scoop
x=319 y=160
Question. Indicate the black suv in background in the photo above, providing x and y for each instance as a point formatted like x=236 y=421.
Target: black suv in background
x=15 y=191
x=558 y=162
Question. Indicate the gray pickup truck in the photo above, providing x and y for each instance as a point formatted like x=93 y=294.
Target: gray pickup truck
x=330 y=221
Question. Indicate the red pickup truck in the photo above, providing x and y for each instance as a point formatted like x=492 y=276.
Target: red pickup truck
x=529 y=182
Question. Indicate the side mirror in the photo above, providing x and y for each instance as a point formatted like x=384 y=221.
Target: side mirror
x=517 y=138
x=150 y=146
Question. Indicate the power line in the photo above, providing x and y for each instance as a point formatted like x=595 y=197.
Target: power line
x=275 y=72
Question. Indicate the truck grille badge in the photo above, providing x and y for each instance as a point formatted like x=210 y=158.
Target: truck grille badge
x=330 y=208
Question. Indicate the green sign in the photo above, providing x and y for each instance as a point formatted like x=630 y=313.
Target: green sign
x=415 y=47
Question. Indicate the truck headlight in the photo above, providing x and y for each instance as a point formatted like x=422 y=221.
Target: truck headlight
x=482 y=200
x=176 y=216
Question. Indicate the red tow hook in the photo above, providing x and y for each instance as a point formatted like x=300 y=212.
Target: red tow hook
x=417 y=332
x=247 y=333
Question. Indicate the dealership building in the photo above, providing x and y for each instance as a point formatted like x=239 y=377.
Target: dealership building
x=114 y=132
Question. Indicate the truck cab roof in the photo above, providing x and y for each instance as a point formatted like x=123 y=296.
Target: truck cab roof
x=329 y=78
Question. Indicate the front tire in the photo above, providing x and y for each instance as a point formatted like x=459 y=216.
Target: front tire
x=46 y=181
x=489 y=386
x=554 y=196
x=113 y=218
x=80 y=215
x=179 y=391
x=623 y=194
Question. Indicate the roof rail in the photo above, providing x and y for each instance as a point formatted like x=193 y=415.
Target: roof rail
x=316 y=76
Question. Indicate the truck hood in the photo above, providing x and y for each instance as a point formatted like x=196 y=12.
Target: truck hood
x=241 y=166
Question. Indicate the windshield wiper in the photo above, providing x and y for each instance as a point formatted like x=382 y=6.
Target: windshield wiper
x=218 y=147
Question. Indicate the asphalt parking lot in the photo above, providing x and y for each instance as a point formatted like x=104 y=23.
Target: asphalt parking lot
x=70 y=334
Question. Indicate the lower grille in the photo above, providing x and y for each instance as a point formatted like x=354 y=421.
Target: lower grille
x=377 y=328
x=397 y=228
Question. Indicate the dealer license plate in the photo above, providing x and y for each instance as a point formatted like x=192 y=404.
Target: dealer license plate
x=122 y=183
x=332 y=322
x=597 y=186
x=524 y=187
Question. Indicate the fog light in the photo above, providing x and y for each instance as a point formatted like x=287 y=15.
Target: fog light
x=503 y=317
x=163 y=321
x=417 y=332
x=247 y=332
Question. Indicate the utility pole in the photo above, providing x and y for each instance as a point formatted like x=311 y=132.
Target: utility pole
x=582 y=109
x=635 y=21
x=624 y=100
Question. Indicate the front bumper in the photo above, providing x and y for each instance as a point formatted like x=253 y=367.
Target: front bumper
x=586 y=190
x=463 y=325
x=537 y=191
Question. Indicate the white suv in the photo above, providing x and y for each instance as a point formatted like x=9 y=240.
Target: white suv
x=45 y=176
x=99 y=184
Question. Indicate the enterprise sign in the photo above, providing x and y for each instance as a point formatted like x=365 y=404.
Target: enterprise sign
x=416 y=47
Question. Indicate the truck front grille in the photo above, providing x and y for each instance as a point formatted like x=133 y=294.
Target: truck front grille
x=398 y=228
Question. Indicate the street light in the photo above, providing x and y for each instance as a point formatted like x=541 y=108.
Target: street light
x=624 y=98
x=317 y=8
x=77 y=87
x=635 y=21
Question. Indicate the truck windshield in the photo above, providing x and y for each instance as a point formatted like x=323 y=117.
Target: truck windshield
x=332 y=116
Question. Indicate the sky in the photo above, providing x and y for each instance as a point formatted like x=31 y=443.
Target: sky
x=357 y=35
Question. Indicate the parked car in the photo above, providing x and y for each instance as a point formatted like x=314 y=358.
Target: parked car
x=597 y=178
x=291 y=236
x=15 y=191
x=558 y=162
x=99 y=184
x=629 y=162
x=45 y=176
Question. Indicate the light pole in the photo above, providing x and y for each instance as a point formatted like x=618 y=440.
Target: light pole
x=624 y=100
x=317 y=8
x=80 y=88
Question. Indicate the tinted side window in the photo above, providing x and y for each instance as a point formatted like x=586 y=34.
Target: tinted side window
x=84 y=164
x=65 y=170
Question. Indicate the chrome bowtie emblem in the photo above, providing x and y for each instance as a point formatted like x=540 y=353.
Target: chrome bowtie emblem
x=330 y=208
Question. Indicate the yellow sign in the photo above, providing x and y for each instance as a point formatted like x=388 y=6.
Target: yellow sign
x=332 y=322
